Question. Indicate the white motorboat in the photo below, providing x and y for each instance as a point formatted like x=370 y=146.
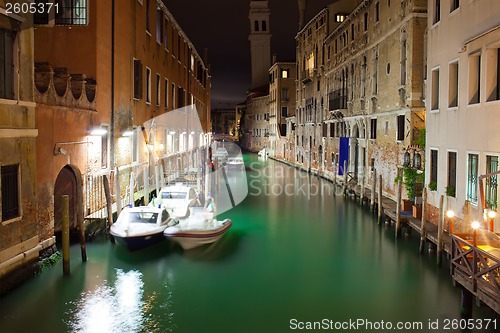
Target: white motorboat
x=263 y=153
x=199 y=228
x=176 y=199
x=138 y=227
x=235 y=162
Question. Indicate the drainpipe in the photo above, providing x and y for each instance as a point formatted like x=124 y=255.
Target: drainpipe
x=112 y=122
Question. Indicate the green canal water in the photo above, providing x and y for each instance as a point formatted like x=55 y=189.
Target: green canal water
x=296 y=254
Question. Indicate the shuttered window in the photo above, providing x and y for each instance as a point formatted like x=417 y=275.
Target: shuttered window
x=10 y=191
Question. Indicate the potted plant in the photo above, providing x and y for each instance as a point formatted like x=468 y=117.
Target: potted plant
x=433 y=186
x=450 y=191
x=410 y=176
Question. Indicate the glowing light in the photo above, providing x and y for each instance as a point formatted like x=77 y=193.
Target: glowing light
x=161 y=146
x=450 y=214
x=128 y=133
x=98 y=131
x=492 y=214
x=475 y=225
x=171 y=132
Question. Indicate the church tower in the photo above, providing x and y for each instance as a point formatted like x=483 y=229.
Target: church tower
x=260 y=42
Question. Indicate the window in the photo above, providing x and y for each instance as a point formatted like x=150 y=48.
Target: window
x=159 y=25
x=363 y=78
x=256 y=26
x=340 y=17
x=474 y=78
x=373 y=128
x=400 y=136
x=283 y=129
x=437 y=11
x=41 y=17
x=377 y=12
x=402 y=62
x=179 y=46
x=435 y=90
x=284 y=73
x=434 y=163
x=386 y=129
x=148 y=85
x=7 y=38
x=454 y=5
x=147 y=16
x=137 y=79
x=10 y=191
x=375 y=71
x=332 y=131
x=165 y=34
x=264 y=26
x=157 y=89
x=284 y=111
x=491 y=200
x=366 y=22
x=352 y=32
x=452 y=174
x=493 y=74
x=284 y=94
x=453 y=85
x=165 y=94
x=72 y=12
x=472 y=166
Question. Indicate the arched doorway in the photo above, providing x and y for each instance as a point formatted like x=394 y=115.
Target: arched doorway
x=68 y=182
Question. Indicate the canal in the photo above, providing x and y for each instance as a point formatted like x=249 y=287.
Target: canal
x=296 y=254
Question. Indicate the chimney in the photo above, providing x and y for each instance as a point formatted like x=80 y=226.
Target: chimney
x=302 y=13
x=274 y=58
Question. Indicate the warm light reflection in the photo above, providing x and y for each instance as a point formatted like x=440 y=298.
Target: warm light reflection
x=492 y=214
x=112 y=309
x=450 y=214
x=475 y=225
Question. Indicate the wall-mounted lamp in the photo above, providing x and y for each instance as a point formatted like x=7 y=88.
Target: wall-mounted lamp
x=98 y=131
x=475 y=225
x=127 y=133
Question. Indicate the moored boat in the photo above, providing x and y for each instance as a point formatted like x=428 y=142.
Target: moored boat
x=198 y=229
x=139 y=227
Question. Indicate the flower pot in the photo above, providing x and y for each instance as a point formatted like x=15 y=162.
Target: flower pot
x=406 y=205
x=417 y=211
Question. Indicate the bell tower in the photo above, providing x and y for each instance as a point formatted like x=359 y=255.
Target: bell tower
x=260 y=42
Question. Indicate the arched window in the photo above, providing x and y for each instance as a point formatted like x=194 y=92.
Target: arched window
x=256 y=25
x=264 y=25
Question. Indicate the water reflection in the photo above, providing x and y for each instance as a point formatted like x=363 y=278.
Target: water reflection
x=118 y=308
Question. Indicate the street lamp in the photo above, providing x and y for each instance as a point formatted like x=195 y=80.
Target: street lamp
x=492 y=214
x=450 y=214
x=475 y=225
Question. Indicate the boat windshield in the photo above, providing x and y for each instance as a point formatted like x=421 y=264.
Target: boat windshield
x=142 y=217
x=173 y=195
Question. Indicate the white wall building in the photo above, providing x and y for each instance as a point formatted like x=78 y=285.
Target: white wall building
x=462 y=102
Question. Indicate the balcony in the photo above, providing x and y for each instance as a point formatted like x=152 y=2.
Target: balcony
x=337 y=101
x=307 y=75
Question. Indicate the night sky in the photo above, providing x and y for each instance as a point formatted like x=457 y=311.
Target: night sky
x=223 y=27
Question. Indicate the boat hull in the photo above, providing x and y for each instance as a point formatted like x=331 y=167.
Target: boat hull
x=134 y=243
x=189 y=239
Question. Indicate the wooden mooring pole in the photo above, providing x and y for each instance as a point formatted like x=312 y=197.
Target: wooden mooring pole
x=423 y=229
x=439 y=254
x=345 y=178
x=398 y=209
x=118 y=192
x=109 y=203
x=362 y=193
x=65 y=234
x=380 y=208
x=374 y=188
